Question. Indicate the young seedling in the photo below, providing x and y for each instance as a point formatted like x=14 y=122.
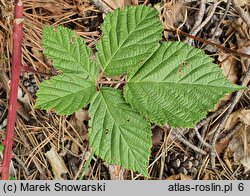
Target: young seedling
x=171 y=83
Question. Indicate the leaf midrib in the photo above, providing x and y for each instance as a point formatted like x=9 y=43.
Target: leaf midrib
x=107 y=63
x=180 y=84
x=109 y=110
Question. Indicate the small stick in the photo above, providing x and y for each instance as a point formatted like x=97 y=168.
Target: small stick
x=223 y=17
x=181 y=139
x=218 y=46
x=201 y=139
x=81 y=164
x=104 y=7
x=200 y=16
x=207 y=19
x=212 y=116
x=31 y=70
x=202 y=133
x=20 y=162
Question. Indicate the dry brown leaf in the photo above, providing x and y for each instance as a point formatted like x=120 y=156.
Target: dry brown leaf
x=242 y=115
x=245 y=61
x=246 y=164
x=230 y=71
x=77 y=123
x=57 y=163
x=241 y=30
x=157 y=135
x=82 y=115
x=226 y=157
x=77 y=119
x=242 y=2
x=113 y=4
x=232 y=119
x=229 y=67
x=236 y=146
x=221 y=146
x=239 y=147
x=237 y=150
x=172 y=14
x=74 y=147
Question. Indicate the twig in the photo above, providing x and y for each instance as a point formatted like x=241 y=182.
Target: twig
x=87 y=164
x=244 y=15
x=181 y=139
x=31 y=70
x=81 y=164
x=212 y=116
x=211 y=13
x=221 y=20
x=201 y=139
x=235 y=100
x=20 y=162
x=199 y=17
x=13 y=106
x=202 y=134
x=218 y=46
x=102 y=6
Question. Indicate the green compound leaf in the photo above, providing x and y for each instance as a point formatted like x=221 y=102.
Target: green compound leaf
x=74 y=88
x=65 y=93
x=177 y=85
x=128 y=37
x=117 y=133
x=68 y=52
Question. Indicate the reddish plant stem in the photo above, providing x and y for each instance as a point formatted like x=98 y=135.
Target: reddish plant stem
x=13 y=106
